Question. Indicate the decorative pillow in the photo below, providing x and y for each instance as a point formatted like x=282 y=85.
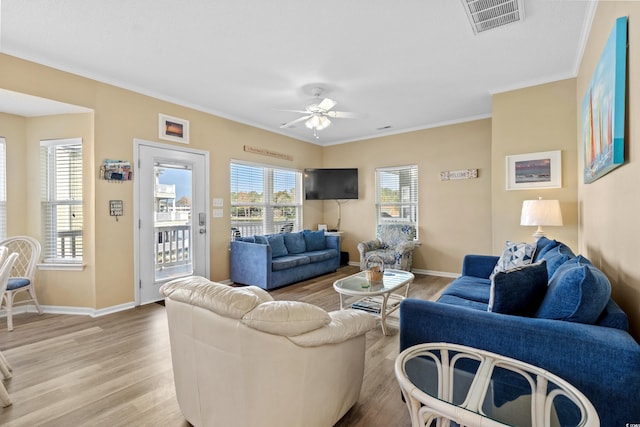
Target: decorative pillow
x=287 y=318
x=543 y=245
x=578 y=292
x=295 y=243
x=314 y=240
x=278 y=248
x=520 y=290
x=514 y=255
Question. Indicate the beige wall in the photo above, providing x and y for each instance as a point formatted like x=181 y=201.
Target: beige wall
x=454 y=216
x=530 y=120
x=119 y=117
x=609 y=226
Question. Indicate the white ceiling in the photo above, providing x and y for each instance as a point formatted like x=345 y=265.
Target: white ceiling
x=409 y=64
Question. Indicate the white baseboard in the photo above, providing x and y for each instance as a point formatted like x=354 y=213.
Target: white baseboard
x=419 y=271
x=78 y=311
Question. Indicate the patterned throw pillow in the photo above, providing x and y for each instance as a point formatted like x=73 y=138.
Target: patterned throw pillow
x=514 y=255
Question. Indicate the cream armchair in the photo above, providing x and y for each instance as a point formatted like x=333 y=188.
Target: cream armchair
x=240 y=358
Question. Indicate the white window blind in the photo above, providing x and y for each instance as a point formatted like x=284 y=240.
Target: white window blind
x=3 y=189
x=397 y=195
x=264 y=199
x=61 y=195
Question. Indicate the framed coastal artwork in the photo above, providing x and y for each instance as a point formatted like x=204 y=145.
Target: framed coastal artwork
x=534 y=170
x=603 y=108
x=173 y=129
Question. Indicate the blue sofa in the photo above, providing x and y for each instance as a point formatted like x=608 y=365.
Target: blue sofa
x=276 y=260
x=570 y=326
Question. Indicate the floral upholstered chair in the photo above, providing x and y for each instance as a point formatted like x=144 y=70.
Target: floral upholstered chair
x=394 y=244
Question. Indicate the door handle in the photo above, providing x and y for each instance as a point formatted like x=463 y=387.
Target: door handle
x=202 y=231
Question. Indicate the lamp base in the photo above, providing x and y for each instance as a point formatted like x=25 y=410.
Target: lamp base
x=539 y=233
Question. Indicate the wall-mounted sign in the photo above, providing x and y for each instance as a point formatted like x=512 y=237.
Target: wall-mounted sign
x=459 y=174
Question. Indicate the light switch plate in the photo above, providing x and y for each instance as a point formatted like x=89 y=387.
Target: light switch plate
x=217 y=213
x=218 y=202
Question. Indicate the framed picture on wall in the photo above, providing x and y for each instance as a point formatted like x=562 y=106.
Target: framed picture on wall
x=173 y=129
x=603 y=108
x=534 y=170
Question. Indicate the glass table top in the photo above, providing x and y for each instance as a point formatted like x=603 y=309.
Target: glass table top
x=358 y=283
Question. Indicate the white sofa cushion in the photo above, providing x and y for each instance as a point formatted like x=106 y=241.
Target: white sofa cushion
x=286 y=318
x=345 y=324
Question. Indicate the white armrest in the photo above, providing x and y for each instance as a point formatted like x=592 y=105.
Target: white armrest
x=345 y=324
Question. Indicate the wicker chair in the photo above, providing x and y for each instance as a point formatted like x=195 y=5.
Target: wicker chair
x=6 y=263
x=394 y=243
x=23 y=275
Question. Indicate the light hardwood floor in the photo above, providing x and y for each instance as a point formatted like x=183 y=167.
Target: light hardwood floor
x=115 y=370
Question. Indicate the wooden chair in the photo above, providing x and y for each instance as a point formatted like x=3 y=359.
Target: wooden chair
x=5 y=272
x=23 y=276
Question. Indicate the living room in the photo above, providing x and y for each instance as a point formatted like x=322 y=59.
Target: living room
x=456 y=217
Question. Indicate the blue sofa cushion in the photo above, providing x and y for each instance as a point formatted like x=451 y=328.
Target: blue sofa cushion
x=519 y=291
x=289 y=261
x=317 y=256
x=543 y=245
x=578 y=292
x=555 y=257
x=514 y=255
x=278 y=248
x=471 y=288
x=295 y=243
x=463 y=302
x=261 y=240
x=314 y=240
x=249 y=239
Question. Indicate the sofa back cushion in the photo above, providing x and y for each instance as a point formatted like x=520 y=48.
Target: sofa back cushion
x=278 y=248
x=519 y=291
x=555 y=257
x=287 y=318
x=314 y=240
x=578 y=292
x=294 y=242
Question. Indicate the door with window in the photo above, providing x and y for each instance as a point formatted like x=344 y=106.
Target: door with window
x=172 y=229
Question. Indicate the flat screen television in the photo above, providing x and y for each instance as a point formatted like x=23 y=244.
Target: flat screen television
x=331 y=184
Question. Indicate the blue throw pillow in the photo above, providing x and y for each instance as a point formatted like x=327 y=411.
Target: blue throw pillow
x=276 y=241
x=543 y=245
x=578 y=292
x=261 y=240
x=295 y=243
x=314 y=240
x=519 y=291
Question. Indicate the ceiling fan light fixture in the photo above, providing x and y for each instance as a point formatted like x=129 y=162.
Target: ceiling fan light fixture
x=317 y=122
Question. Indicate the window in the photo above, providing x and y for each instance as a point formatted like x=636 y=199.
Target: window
x=61 y=195
x=3 y=189
x=264 y=199
x=397 y=195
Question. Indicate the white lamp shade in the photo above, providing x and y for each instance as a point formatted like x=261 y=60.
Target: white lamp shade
x=541 y=212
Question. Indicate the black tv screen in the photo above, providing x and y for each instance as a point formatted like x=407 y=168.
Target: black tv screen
x=329 y=184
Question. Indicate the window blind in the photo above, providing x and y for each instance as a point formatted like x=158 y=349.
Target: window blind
x=3 y=189
x=61 y=195
x=397 y=195
x=264 y=199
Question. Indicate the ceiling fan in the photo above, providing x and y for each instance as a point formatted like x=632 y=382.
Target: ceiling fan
x=317 y=113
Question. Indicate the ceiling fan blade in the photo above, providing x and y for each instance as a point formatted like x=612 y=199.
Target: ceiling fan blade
x=345 y=115
x=327 y=104
x=294 y=111
x=293 y=122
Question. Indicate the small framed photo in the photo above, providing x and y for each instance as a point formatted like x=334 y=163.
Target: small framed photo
x=173 y=129
x=534 y=170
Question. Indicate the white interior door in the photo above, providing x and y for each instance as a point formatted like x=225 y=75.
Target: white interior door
x=172 y=226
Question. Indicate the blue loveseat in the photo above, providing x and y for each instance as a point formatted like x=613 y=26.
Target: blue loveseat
x=276 y=260
x=570 y=326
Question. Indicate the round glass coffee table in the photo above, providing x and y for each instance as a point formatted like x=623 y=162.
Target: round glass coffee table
x=378 y=298
x=472 y=387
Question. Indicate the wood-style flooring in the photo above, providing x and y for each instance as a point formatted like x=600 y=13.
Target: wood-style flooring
x=115 y=370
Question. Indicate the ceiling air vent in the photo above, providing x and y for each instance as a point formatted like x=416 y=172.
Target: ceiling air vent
x=489 y=14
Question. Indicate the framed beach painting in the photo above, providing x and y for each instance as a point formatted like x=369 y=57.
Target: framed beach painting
x=603 y=108
x=534 y=170
x=173 y=129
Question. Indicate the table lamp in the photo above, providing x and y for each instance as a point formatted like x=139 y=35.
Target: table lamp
x=540 y=212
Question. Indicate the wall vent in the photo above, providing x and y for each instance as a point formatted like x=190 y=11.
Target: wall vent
x=489 y=14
